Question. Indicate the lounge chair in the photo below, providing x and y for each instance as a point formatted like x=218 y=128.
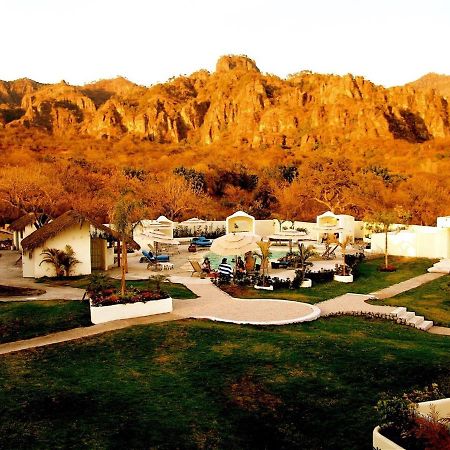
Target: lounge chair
x=197 y=268
x=201 y=241
x=149 y=257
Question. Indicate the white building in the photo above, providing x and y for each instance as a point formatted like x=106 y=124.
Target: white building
x=21 y=228
x=340 y=225
x=88 y=240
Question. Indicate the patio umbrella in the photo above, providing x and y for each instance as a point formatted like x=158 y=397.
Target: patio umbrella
x=194 y=221
x=234 y=244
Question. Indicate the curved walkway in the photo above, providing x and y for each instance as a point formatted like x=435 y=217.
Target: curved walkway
x=214 y=304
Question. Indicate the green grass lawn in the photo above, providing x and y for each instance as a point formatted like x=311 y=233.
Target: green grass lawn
x=431 y=300
x=24 y=320
x=369 y=280
x=203 y=385
x=176 y=290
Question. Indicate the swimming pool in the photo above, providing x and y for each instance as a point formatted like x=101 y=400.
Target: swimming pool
x=217 y=259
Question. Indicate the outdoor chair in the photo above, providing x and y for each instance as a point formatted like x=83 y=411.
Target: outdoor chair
x=201 y=241
x=197 y=269
x=149 y=257
x=330 y=251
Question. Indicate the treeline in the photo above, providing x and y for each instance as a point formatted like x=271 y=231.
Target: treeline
x=52 y=175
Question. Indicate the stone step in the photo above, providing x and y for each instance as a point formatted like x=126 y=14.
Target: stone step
x=416 y=321
x=425 y=325
x=399 y=310
x=407 y=315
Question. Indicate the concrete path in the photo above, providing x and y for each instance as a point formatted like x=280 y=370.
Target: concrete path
x=11 y=275
x=82 y=332
x=407 y=285
x=351 y=303
x=214 y=304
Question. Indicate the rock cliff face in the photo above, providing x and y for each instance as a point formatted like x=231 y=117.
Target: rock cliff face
x=236 y=104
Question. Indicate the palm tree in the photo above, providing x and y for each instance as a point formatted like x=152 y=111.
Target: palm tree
x=343 y=246
x=304 y=253
x=122 y=220
x=61 y=260
x=265 y=254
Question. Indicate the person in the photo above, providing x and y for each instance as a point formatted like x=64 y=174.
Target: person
x=206 y=265
x=225 y=270
x=240 y=266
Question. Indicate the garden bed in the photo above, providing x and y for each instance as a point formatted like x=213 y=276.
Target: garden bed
x=16 y=291
x=102 y=314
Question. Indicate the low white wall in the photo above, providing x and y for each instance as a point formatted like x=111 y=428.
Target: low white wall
x=426 y=242
x=77 y=237
x=102 y=314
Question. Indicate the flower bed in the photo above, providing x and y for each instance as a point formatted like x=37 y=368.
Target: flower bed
x=407 y=423
x=102 y=314
x=107 y=304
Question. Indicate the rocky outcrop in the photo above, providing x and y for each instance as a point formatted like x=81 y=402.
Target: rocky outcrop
x=236 y=104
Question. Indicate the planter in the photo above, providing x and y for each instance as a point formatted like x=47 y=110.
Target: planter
x=306 y=283
x=265 y=288
x=101 y=314
x=343 y=278
x=441 y=407
x=380 y=442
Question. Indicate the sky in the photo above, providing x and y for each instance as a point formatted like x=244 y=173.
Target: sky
x=389 y=42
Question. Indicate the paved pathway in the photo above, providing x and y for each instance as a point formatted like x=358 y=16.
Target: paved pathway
x=350 y=303
x=407 y=285
x=214 y=304
x=82 y=332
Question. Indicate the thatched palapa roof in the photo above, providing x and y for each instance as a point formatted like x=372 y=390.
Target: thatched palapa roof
x=22 y=222
x=67 y=220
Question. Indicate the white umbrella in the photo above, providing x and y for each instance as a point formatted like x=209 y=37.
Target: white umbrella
x=194 y=221
x=235 y=244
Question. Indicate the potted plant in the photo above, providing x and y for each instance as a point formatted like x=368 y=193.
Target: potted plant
x=264 y=281
x=342 y=272
x=108 y=303
x=419 y=420
x=302 y=263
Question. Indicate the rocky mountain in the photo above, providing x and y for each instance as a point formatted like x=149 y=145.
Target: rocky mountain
x=440 y=83
x=236 y=104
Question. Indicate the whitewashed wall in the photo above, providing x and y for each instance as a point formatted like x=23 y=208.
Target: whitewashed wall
x=426 y=242
x=77 y=237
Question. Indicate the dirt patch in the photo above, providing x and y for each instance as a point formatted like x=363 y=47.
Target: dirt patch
x=15 y=291
x=253 y=397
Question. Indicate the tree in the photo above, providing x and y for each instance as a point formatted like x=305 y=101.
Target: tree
x=330 y=182
x=123 y=219
x=174 y=197
x=386 y=221
x=304 y=254
x=61 y=260
x=265 y=254
x=343 y=246
x=29 y=190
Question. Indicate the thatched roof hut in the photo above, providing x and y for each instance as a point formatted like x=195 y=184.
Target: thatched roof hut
x=67 y=220
x=21 y=223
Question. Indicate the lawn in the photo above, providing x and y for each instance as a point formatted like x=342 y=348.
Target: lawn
x=24 y=320
x=431 y=300
x=175 y=290
x=369 y=280
x=202 y=385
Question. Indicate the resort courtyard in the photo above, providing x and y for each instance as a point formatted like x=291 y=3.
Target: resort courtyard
x=179 y=381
